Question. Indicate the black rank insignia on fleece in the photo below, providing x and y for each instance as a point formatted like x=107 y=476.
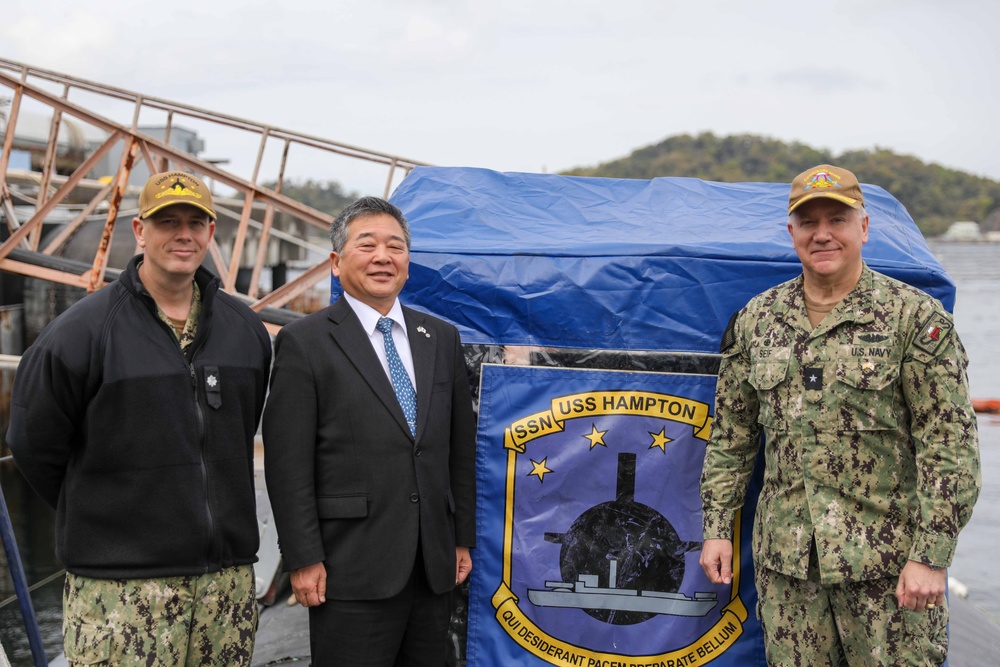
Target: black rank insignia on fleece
x=213 y=387
x=812 y=378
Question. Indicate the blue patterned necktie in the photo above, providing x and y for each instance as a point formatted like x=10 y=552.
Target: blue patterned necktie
x=400 y=380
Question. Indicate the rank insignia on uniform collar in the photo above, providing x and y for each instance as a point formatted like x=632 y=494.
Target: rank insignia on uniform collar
x=812 y=378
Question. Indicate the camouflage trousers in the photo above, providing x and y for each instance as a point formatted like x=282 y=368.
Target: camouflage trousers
x=207 y=619
x=807 y=624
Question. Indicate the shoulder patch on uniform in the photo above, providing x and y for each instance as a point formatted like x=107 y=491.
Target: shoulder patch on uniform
x=933 y=332
x=729 y=336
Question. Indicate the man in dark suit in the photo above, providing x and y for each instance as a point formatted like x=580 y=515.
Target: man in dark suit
x=373 y=487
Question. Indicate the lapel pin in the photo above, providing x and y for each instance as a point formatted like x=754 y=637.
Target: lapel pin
x=423 y=331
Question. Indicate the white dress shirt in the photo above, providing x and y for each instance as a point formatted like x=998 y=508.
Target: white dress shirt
x=369 y=318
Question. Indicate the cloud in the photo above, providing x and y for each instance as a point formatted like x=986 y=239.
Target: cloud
x=426 y=41
x=819 y=80
x=519 y=84
x=80 y=37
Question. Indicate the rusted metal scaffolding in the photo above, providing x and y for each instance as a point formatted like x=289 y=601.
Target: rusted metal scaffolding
x=21 y=252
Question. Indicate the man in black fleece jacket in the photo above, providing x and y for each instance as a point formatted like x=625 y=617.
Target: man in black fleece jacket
x=134 y=415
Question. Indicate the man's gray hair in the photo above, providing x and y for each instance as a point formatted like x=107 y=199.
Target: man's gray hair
x=363 y=208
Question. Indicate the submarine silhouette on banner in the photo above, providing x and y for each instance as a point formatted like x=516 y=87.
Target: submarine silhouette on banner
x=630 y=548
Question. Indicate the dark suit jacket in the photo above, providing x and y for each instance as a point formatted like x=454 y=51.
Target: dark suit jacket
x=348 y=483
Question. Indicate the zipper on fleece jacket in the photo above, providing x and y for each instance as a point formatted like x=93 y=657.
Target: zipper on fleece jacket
x=204 y=467
x=204 y=327
x=200 y=416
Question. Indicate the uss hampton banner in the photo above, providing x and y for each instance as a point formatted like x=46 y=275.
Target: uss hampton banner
x=589 y=521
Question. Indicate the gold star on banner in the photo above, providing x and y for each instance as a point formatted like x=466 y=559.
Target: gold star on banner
x=660 y=440
x=596 y=437
x=538 y=469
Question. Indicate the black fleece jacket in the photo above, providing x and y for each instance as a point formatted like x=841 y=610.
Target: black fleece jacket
x=146 y=455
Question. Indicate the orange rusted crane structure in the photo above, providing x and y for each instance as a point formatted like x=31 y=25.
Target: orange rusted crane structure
x=63 y=176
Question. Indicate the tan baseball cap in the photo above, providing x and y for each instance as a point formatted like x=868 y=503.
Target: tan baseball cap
x=825 y=181
x=174 y=187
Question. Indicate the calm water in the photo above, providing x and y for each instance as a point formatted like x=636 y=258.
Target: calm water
x=974 y=268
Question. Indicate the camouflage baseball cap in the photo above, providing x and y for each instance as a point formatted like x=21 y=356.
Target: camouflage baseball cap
x=825 y=181
x=174 y=187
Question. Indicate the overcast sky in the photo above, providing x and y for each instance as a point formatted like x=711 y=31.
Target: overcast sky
x=533 y=85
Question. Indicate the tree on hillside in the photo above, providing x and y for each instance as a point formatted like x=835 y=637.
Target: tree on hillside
x=325 y=196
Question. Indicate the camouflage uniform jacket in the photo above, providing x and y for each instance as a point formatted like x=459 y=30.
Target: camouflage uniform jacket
x=871 y=443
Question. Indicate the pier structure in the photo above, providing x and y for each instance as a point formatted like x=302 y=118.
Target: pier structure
x=76 y=153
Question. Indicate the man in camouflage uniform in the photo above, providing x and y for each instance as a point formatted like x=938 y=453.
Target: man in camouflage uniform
x=134 y=415
x=858 y=383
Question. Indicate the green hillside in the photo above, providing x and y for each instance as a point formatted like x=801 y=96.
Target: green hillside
x=934 y=195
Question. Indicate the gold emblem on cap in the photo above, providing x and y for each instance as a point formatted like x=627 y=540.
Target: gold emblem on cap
x=821 y=178
x=177 y=189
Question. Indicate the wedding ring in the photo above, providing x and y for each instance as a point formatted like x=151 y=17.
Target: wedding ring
x=930 y=605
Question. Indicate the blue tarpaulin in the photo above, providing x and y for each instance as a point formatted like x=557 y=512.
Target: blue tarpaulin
x=571 y=462
x=614 y=264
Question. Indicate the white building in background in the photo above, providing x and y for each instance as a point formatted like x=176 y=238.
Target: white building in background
x=963 y=231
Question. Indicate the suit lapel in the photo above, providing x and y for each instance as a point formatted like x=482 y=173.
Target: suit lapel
x=357 y=346
x=423 y=347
